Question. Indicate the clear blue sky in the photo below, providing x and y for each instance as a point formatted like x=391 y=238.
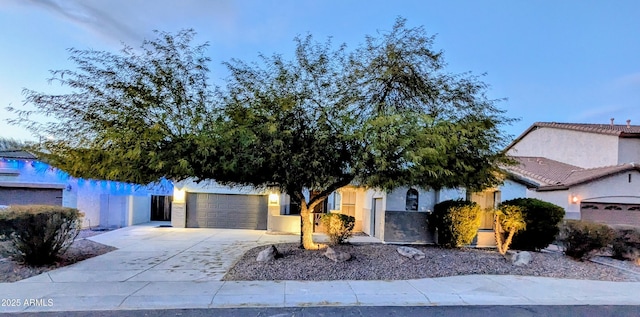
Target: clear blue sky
x=563 y=61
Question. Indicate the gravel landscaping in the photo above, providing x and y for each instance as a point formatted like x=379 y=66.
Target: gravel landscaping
x=383 y=262
x=81 y=249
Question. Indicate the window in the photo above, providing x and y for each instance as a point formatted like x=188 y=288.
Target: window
x=589 y=207
x=612 y=207
x=412 y=200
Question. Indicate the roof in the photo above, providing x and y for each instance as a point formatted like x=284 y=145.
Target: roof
x=547 y=174
x=17 y=154
x=619 y=130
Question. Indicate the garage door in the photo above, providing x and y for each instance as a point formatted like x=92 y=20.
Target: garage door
x=30 y=196
x=611 y=213
x=227 y=211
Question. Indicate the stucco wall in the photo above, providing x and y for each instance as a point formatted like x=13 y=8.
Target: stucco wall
x=450 y=194
x=139 y=209
x=629 y=151
x=572 y=147
x=511 y=190
x=397 y=199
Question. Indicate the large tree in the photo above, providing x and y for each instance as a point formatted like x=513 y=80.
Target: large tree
x=383 y=115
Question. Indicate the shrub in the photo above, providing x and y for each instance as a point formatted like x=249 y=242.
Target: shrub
x=626 y=244
x=581 y=239
x=542 y=220
x=338 y=227
x=39 y=233
x=456 y=221
x=509 y=219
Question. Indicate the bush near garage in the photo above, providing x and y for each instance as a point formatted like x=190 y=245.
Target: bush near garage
x=542 y=223
x=39 y=233
x=456 y=222
x=339 y=227
x=626 y=244
x=582 y=239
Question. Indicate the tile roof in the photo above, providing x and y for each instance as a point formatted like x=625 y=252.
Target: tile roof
x=548 y=174
x=17 y=154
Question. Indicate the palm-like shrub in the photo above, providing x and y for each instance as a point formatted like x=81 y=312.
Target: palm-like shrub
x=508 y=220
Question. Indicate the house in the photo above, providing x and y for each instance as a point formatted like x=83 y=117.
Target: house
x=26 y=180
x=590 y=170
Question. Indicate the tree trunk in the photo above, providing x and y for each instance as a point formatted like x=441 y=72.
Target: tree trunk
x=306 y=231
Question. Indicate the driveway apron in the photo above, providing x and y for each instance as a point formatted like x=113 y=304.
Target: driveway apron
x=150 y=253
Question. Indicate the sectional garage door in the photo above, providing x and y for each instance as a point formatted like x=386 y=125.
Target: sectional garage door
x=227 y=211
x=611 y=213
x=30 y=196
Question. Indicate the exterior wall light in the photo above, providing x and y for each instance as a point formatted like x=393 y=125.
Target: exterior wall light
x=179 y=195
x=274 y=199
x=574 y=199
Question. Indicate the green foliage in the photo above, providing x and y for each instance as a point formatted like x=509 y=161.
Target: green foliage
x=7 y=144
x=626 y=244
x=39 y=233
x=542 y=219
x=581 y=239
x=508 y=220
x=456 y=221
x=339 y=227
x=385 y=114
x=131 y=116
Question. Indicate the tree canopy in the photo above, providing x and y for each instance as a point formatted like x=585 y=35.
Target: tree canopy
x=385 y=114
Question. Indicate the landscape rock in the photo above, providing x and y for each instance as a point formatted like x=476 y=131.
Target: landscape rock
x=337 y=256
x=411 y=253
x=521 y=258
x=268 y=254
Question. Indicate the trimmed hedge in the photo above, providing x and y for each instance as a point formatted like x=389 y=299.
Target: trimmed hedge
x=542 y=223
x=581 y=239
x=39 y=233
x=339 y=227
x=456 y=221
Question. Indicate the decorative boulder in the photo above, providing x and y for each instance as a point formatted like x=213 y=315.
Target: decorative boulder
x=521 y=258
x=268 y=254
x=412 y=253
x=337 y=256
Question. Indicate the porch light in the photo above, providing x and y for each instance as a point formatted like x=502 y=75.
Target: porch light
x=178 y=195
x=274 y=199
x=574 y=199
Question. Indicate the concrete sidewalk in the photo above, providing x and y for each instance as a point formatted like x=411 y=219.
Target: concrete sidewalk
x=458 y=290
x=157 y=268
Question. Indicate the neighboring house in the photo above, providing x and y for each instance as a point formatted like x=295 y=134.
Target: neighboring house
x=25 y=180
x=590 y=170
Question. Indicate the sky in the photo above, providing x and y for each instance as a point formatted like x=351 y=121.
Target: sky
x=553 y=61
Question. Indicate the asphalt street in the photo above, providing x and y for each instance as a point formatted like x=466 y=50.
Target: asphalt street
x=448 y=311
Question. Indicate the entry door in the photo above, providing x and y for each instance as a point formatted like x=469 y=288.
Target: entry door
x=377 y=222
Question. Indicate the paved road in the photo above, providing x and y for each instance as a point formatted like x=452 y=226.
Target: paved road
x=464 y=311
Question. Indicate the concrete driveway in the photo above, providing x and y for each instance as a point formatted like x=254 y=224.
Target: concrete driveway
x=148 y=253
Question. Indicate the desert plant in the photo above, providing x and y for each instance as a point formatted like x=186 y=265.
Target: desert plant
x=508 y=219
x=39 y=233
x=542 y=219
x=581 y=239
x=339 y=227
x=626 y=244
x=456 y=221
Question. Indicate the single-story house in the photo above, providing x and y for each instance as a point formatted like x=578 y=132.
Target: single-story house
x=26 y=180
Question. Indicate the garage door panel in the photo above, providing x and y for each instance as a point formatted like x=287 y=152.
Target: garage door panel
x=226 y=211
x=611 y=213
x=30 y=196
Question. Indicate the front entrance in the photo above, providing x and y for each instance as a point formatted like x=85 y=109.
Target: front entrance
x=377 y=223
x=161 y=208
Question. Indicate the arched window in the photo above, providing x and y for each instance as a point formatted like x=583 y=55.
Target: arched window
x=412 y=199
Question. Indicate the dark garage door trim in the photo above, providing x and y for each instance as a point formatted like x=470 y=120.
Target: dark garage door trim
x=611 y=213
x=226 y=211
